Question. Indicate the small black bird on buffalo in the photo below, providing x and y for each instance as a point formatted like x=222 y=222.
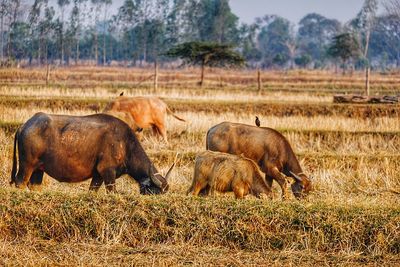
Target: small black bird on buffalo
x=258 y=122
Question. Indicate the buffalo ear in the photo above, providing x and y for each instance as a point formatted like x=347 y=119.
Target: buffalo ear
x=295 y=176
x=169 y=171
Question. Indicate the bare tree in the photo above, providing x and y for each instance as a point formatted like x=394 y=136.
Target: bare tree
x=106 y=4
x=15 y=6
x=4 y=4
x=62 y=4
x=392 y=7
x=365 y=21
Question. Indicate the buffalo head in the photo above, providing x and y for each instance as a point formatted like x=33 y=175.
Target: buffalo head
x=158 y=184
x=302 y=185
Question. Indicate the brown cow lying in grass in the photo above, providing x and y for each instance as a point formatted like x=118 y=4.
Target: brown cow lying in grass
x=215 y=171
x=146 y=112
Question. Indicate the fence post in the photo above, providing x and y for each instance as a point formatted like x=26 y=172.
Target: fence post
x=367 y=76
x=47 y=74
x=155 y=88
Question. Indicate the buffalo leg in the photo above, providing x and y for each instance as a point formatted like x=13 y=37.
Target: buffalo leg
x=163 y=132
x=205 y=191
x=197 y=188
x=36 y=180
x=277 y=175
x=159 y=130
x=96 y=182
x=239 y=191
x=23 y=176
x=269 y=180
x=109 y=179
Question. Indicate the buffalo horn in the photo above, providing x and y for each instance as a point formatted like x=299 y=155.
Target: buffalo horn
x=298 y=178
x=169 y=171
x=155 y=180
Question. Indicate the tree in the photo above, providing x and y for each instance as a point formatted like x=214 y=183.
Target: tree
x=206 y=54
x=216 y=22
x=248 y=42
x=106 y=4
x=76 y=25
x=62 y=4
x=392 y=7
x=274 y=40
x=364 y=23
x=385 y=39
x=314 y=35
x=303 y=61
x=344 y=46
x=20 y=42
x=4 y=10
x=13 y=13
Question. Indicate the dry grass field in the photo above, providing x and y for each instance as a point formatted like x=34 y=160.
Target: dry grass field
x=351 y=151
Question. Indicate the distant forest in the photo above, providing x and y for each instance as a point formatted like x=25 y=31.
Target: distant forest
x=69 y=32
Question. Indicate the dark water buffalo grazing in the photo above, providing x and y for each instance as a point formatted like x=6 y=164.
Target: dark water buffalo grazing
x=222 y=172
x=267 y=147
x=73 y=149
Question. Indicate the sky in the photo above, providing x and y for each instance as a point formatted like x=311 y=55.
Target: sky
x=294 y=10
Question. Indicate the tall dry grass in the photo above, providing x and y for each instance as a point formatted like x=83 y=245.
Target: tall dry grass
x=113 y=78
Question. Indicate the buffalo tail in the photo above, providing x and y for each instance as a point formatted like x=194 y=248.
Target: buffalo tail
x=176 y=117
x=14 y=166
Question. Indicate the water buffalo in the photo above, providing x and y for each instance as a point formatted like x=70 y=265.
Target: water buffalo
x=147 y=112
x=267 y=147
x=75 y=148
x=215 y=171
x=127 y=118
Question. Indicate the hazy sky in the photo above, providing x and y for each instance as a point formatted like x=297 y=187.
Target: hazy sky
x=294 y=10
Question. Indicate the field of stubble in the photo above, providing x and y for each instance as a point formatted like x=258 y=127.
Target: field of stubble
x=351 y=151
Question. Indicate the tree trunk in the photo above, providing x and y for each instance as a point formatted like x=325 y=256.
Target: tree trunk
x=104 y=34
x=62 y=51
x=2 y=38
x=202 y=74
x=362 y=99
x=96 y=48
x=77 y=52
x=145 y=52
x=368 y=34
x=398 y=60
x=344 y=68
x=104 y=48
x=47 y=74
x=17 y=4
x=46 y=55
x=39 y=58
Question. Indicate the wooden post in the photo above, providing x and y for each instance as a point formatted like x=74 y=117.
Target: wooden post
x=367 y=75
x=202 y=74
x=155 y=76
x=47 y=74
x=259 y=81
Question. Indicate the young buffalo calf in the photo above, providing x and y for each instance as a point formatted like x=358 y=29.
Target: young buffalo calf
x=226 y=173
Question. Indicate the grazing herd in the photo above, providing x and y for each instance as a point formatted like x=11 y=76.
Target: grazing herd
x=105 y=146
